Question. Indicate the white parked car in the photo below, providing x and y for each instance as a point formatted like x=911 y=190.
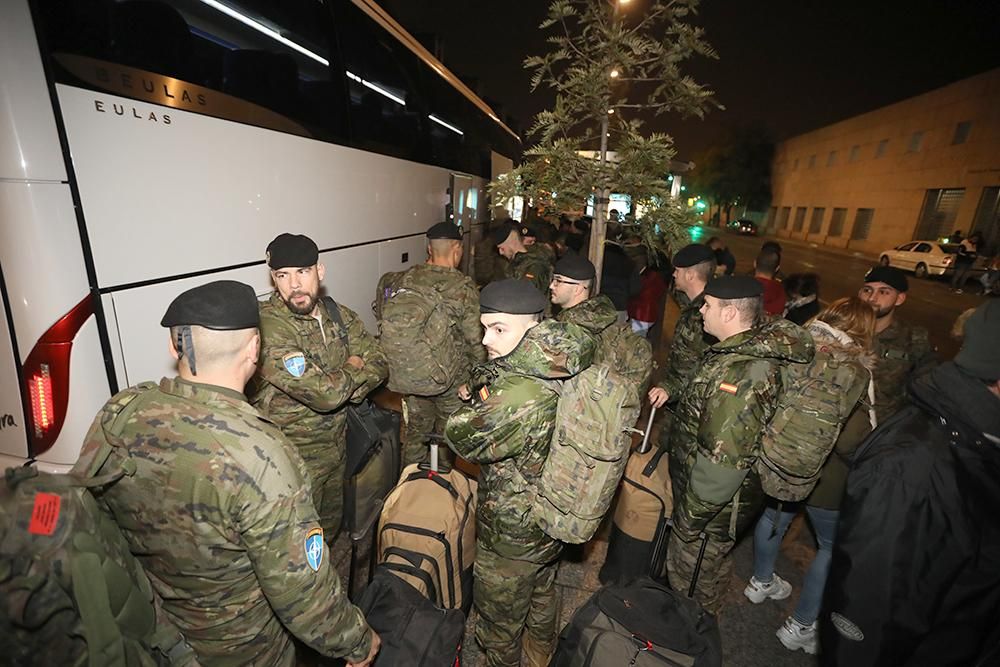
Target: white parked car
x=925 y=258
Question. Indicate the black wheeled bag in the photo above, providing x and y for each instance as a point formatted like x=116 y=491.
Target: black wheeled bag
x=643 y=623
x=640 y=529
x=414 y=631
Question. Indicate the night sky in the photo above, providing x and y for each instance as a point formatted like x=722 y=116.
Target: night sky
x=791 y=65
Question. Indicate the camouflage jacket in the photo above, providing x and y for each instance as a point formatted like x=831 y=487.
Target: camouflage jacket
x=534 y=266
x=219 y=513
x=507 y=429
x=305 y=400
x=462 y=298
x=686 y=348
x=901 y=352
x=624 y=351
x=488 y=264
x=715 y=436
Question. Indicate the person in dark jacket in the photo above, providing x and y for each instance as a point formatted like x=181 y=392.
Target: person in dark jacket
x=724 y=259
x=802 y=292
x=620 y=279
x=915 y=578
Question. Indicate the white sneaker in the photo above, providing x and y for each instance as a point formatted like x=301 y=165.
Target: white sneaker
x=776 y=589
x=794 y=636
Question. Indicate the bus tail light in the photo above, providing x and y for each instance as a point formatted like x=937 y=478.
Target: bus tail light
x=46 y=376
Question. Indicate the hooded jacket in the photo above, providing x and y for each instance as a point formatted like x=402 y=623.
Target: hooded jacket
x=915 y=577
x=716 y=432
x=507 y=429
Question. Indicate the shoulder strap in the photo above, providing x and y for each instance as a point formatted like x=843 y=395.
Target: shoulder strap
x=333 y=310
x=90 y=590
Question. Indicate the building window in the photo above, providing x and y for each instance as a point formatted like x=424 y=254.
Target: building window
x=862 y=224
x=837 y=222
x=961 y=132
x=881 y=148
x=795 y=165
x=940 y=209
x=916 y=139
x=812 y=161
x=855 y=153
x=800 y=218
x=831 y=159
x=816 y=222
x=783 y=217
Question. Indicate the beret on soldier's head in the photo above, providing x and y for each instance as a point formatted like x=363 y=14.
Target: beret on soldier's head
x=291 y=250
x=574 y=266
x=503 y=230
x=445 y=230
x=516 y=297
x=222 y=305
x=889 y=275
x=690 y=255
x=734 y=287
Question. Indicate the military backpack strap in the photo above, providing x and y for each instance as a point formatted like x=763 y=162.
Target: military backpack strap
x=333 y=310
x=104 y=639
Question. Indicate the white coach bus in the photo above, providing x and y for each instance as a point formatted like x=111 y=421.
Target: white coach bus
x=147 y=147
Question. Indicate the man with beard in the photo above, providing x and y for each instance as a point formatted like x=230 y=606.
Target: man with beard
x=901 y=351
x=311 y=367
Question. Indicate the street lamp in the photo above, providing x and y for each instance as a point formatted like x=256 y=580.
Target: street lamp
x=614 y=73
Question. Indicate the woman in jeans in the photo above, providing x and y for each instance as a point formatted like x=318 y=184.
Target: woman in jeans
x=845 y=328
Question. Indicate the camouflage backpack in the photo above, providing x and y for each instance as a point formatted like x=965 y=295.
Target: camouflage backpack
x=628 y=353
x=415 y=331
x=815 y=401
x=595 y=417
x=71 y=593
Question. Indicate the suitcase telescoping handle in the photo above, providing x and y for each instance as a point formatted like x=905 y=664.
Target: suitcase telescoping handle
x=434 y=439
x=644 y=445
x=697 y=565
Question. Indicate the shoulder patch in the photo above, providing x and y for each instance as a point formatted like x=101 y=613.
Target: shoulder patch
x=295 y=363
x=484 y=393
x=728 y=388
x=314 y=547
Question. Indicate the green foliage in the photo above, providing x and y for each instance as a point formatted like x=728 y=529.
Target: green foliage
x=737 y=170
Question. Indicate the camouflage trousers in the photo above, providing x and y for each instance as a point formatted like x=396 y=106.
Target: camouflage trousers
x=326 y=466
x=422 y=415
x=517 y=602
x=715 y=573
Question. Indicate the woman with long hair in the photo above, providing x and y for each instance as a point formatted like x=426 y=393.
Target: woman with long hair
x=845 y=329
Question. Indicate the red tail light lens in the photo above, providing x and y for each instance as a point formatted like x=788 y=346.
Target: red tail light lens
x=46 y=376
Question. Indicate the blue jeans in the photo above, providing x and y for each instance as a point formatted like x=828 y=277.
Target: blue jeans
x=767 y=541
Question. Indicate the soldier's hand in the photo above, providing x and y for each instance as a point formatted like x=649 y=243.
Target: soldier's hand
x=376 y=645
x=464 y=393
x=356 y=362
x=658 y=396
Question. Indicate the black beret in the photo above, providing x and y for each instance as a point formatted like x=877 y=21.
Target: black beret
x=690 y=255
x=503 y=230
x=734 y=287
x=222 y=305
x=574 y=266
x=445 y=230
x=291 y=250
x=889 y=275
x=517 y=297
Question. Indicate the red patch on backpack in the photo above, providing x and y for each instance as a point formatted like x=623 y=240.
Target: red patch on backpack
x=45 y=514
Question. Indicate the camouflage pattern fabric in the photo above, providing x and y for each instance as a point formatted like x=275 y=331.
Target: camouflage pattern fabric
x=534 y=266
x=488 y=264
x=901 y=352
x=423 y=415
x=686 y=348
x=715 y=438
x=219 y=513
x=627 y=353
x=307 y=406
x=518 y=604
x=507 y=429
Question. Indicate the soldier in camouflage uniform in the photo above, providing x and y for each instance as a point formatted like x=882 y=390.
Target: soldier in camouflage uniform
x=715 y=436
x=507 y=429
x=694 y=266
x=902 y=352
x=427 y=414
x=627 y=353
x=216 y=505
x=310 y=369
x=525 y=263
x=488 y=264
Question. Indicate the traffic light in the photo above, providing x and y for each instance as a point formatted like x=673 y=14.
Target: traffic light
x=700 y=205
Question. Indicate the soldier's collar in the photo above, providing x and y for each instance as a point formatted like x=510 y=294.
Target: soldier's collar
x=202 y=391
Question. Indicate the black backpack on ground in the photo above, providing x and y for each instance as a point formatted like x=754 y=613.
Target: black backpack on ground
x=643 y=624
x=414 y=631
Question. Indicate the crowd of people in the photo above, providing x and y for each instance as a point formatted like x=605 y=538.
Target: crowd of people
x=236 y=483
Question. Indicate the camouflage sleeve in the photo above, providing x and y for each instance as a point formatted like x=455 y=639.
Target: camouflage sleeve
x=739 y=403
x=683 y=360
x=492 y=428
x=321 y=389
x=364 y=345
x=472 y=330
x=924 y=354
x=292 y=564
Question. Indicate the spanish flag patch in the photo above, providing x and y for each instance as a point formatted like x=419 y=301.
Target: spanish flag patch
x=484 y=393
x=725 y=386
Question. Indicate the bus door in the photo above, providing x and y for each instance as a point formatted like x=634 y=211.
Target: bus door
x=463 y=191
x=13 y=438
